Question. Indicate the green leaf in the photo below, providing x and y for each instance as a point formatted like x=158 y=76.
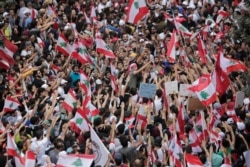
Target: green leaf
x=136 y=4
x=77 y=162
x=204 y=95
x=79 y=121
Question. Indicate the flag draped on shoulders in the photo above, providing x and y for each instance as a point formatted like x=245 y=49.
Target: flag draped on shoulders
x=137 y=9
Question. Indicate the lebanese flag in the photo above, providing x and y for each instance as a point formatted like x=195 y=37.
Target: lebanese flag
x=73 y=160
x=221 y=14
x=193 y=161
x=79 y=122
x=213 y=135
x=40 y=42
x=30 y=159
x=175 y=151
x=55 y=68
x=219 y=35
x=180 y=123
x=63 y=45
x=80 y=52
x=99 y=149
x=229 y=65
x=171 y=52
x=204 y=89
x=7 y=50
x=193 y=140
x=182 y=29
x=130 y=121
x=220 y=79
x=201 y=127
x=202 y=50
x=103 y=48
x=204 y=32
x=12 y=150
x=177 y=18
x=137 y=9
x=93 y=13
x=4 y=64
x=10 y=104
x=70 y=101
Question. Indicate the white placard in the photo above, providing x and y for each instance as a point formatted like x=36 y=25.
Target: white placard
x=239 y=99
x=171 y=87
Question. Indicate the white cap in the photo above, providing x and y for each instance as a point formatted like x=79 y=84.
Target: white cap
x=240 y=125
x=246 y=101
x=230 y=121
x=98 y=82
x=162 y=35
x=63 y=81
x=5 y=14
x=121 y=22
x=45 y=86
x=191 y=6
x=221 y=135
x=185 y=3
x=111 y=118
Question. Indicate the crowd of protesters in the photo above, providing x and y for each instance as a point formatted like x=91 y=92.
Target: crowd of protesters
x=41 y=123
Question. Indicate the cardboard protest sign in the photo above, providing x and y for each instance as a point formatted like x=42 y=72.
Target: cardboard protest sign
x=195 y=104
x=239 y=99
x=171 y=87
x=184 y=90
x=147 y=90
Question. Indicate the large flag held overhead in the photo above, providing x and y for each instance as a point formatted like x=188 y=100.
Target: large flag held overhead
x=74 y=160
x=202 y=50
x=10 y=104
x=221 y=14
x=137 y=9
x=182 y=29
x=99 y=149
x=171 y=52
x=220 y=78
x=103 y=48
x=193 y=161
x=204 y=89
x=80 y=52
x=63 y=45
x=229 y=65
x=70 y=101
x=80 y=122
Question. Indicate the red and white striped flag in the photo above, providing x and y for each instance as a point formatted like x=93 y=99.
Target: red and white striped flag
x=30 y=159
x=229 y=65
x=193 y=161
x=93 y=13
x=10 y=104
x=129 y=122
x=4 y=64
x=73 y=160
x=194 y=142
x=180 y=122
x=70 y=101
x=12 y=150
x=79 y=122
x=201 y=127
x=103 y=48
x=182 y=30
x=204 y=89
x=171 y=52
x=63 y=45
x=137 y=9
x=80 y=52
x=220 y=78
x=7 y=50
x=55 y=68
x=176 y=152
x=113 y=78
x=202 y=50
x=221 y=14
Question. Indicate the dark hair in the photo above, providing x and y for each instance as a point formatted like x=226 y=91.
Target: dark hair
x=124 y=141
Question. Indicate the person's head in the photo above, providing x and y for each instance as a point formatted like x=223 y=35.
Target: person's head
x=39 y=134
x=76 y=69
x=120 y=129
x=124 y=141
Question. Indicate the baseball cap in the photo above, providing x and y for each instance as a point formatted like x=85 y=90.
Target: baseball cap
x=230 y=121
x=241 y=126
x=5 y=14
x=217 y=105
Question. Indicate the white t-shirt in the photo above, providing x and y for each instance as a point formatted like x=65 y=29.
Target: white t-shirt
x=39 y=147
